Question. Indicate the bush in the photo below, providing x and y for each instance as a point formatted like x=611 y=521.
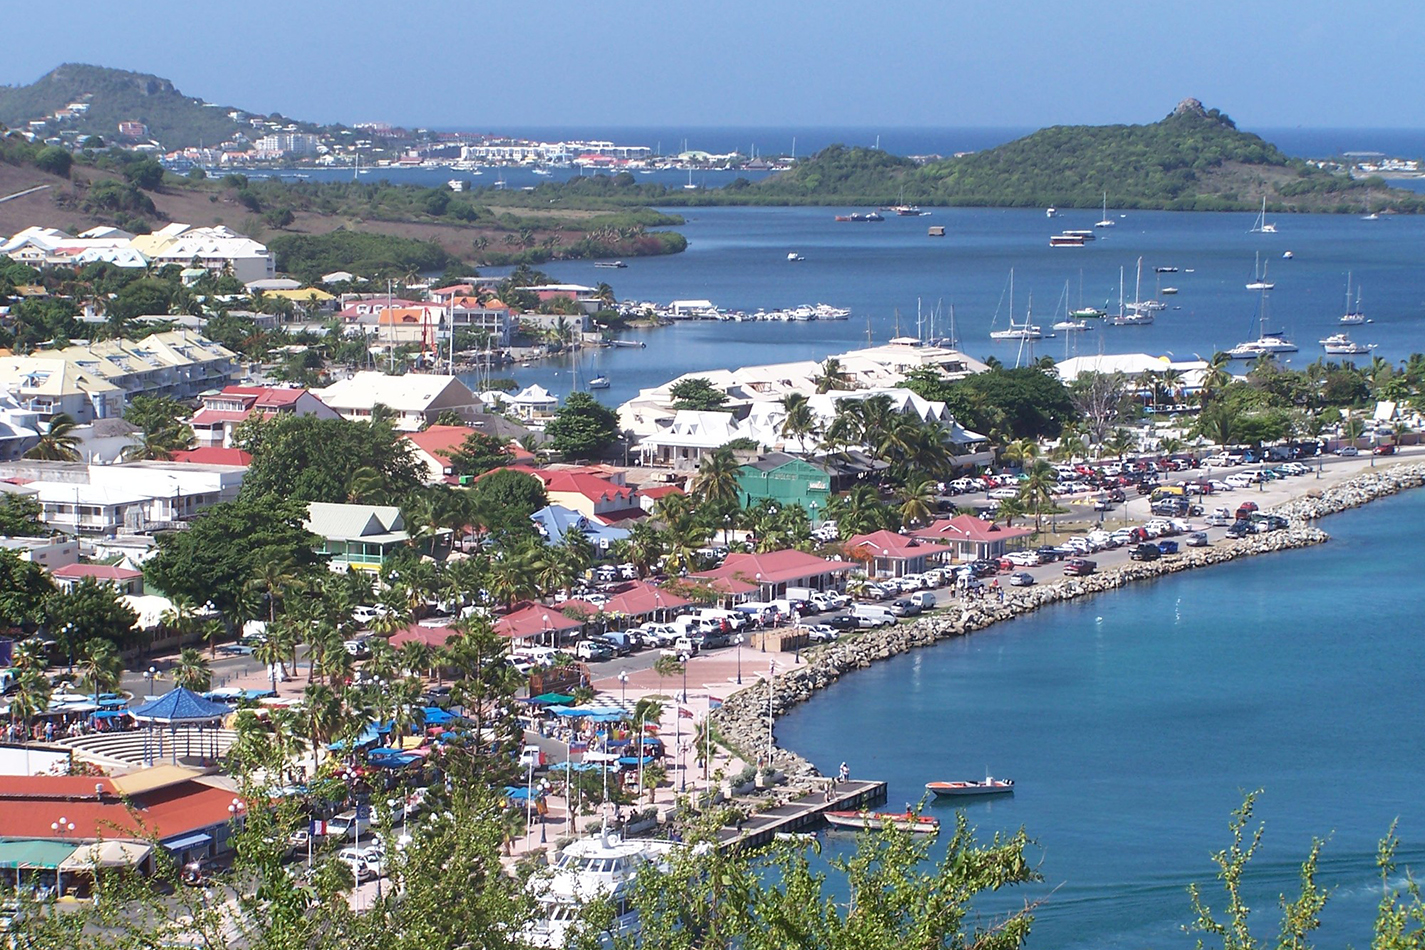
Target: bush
x=55 y=160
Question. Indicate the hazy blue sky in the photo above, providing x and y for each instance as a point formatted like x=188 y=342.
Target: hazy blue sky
x=498 y=63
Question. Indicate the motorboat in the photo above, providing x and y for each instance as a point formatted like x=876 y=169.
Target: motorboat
x=909 y=211
x=1165 y=269
x=1051 y=212
x=872 y=820
x=1270 y=343
x=1168 y=291
x=1341 y=344
x=990 y=786
x=794 y=256
x=599 y=867
x=599 y=382
x=1072 y=326
x=1086 y=235
x=1066 y=240
x=1088 y=313
x=613 y=264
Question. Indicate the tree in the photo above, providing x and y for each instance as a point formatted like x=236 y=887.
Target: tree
x=716 y=481
x=831 y=376
x=504 y=500
x=917 y=502
x=478 y=454
x=697 y=393
x=303 y=458
x=58 y=443
x=144 y=297
x=55 y=160
x=192 y=671
x=156 y=413
x=146 y=173
x=90 y=611
x=582 y=428
x=24 y=589
x=20 y=516
x=205 y=564
x=100 y=667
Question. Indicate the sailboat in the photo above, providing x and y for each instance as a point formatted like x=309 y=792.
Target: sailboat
x=1137 y=314
x=1353 y=316
x=1107 y=222
x=1018 y=331
x=1260 y=226
x=1069 y=324
x=690 y=186
x=1259 y=277
x=1269 y=343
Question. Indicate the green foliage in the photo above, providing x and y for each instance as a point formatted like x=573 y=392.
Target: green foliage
x=305 y=459
x=88 y=611
x=55 y=160
x=582 y=428
x=207 y=563
x=697 y=393
x=1013 y=403
x=20 y=517
x=478 y=454
x=145 y=173
x=506 y=498
x=141 y=298
x=372 y=255
x=24 y=588
x=156 y=413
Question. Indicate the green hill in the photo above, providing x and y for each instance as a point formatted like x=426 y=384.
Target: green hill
x=114 y=96
x=1192 y=160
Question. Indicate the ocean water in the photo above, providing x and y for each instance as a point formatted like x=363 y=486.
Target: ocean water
x=737 y=258
x=1132 y=724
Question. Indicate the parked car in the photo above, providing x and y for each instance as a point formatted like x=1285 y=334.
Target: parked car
x=1348 y=450
x=593 y=651
x=1021 y=579
x=1198 y=539
x=1167 y=547
x=1079 y=567
x=350 y=823
x=1383 y=450
x=842 y=622
x=1145 y=552
x=903 y=608
x=1239 y=529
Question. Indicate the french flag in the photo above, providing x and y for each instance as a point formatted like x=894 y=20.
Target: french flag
x=318 y=828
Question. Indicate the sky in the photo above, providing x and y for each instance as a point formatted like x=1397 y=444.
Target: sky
x=496 y=64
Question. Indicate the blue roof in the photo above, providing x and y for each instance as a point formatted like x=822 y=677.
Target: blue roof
x=556 y=520
x=180 y=705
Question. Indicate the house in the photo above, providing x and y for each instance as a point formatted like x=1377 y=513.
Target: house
x=434 y=446
x=631 y=604
x=971 y=538
x=491 y=318
x=49 y=553
x=49 y=385
x=648 y=497
x=535 y=622
x=555 y=521
x=535 y=402
x=359 y=536
x=123 y=579
x=415 y=399
x=217 y=249
x=888 y=554
x=769 y=575
x=19 y=427
x=133 y=498
x=177 y=363
x=785 y=480
x=222 y=412
x=594 y=491
x=213 y=455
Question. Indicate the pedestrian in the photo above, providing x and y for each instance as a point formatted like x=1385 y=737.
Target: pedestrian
x=843 y=773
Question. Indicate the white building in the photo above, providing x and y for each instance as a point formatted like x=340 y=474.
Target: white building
x=415 y=399
x=133 y=498
x=217 y=249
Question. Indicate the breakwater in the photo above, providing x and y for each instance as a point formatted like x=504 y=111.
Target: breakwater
x=742 y=720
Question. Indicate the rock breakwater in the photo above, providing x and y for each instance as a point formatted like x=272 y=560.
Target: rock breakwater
x=742 y=719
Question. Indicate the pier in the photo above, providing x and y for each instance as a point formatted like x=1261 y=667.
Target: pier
x=802 y=813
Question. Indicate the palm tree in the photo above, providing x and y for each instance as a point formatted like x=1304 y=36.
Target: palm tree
x=800 y=421
x=30 y=654
x=29 y=697
x=1037 y=490
x=323 y=710
x=59 y=443
x=716 y=481
x=917 y=501
x=100 y=666
x=366 y=485
x=1011 y=508
x=273 y=576
x=192 y=671
x=831 y=376
x=270 y=653
x=1119 y=442
x=1021 y=452
x=1215 y=377
x=161 y=444
x=417 y=657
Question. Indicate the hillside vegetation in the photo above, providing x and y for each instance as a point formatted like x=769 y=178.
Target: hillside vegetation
x=114 y=96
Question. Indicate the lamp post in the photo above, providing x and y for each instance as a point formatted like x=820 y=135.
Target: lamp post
x=761 y=644
x=529 y=804
x=67 y=631
x=623 y=687
x=235 y=808
x=550 y=628
x=61 y=828
x=152 y=674
x=543 y=833
x=771 y=683
x=739 y=659
x=814 y=507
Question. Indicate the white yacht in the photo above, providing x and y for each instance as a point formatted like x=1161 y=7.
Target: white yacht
x=1107 y=222
x=1260 y=226
x=1341 y=344
x=602 y=866
x=1259 y=276
x=1268 y=343
x=1353 y=316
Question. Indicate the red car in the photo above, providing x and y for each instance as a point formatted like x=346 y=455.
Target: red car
x=1383 y=450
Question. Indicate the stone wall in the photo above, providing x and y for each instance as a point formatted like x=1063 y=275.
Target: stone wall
x=742 y=719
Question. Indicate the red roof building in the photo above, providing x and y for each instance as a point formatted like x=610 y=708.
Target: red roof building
x=535 y=622
x=418 y=633
x=888 y=554
x=971 y=538
x=223 y=412
x=125 y=580
x=639 y=601
x=772 y=573
x=213 y=455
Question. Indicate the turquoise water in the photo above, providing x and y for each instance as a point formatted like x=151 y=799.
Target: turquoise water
x=1133 y=722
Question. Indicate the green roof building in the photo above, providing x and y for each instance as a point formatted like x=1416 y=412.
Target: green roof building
x=786 y=480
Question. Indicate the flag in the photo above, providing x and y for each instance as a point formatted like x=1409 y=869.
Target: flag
x=578 y=747
x=318 y=828
x=685 y=713
x=714 y=702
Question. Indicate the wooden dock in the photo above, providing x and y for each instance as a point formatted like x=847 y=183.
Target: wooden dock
x=802 y=813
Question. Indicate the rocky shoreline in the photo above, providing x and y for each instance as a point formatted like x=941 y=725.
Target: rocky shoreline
x=742 y=719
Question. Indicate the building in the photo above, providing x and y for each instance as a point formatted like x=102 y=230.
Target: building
x=973 y=539
x=123 y=579
x=415 y=399
x=19 y=427
x=359 y=536
x=785 y=480
x=491 y=318
x=1134 y=366
x=767 y=576
x=132 y=498
x=888 y=554
x=555 y=521
x=213 y=425
x=594 y=491
x=217 y=249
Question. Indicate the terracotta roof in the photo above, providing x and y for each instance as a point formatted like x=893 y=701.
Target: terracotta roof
x=204 y=417
x=640 y=597
x=969 y=528
x=440 y=441
x=531 y=620
x=213 y=455
x=266 y=396
x=660 y=491
x=775 y=567
x=29 y=804
x=581 y=483
x=895 y=545
x=430 y=636
x=104 y=572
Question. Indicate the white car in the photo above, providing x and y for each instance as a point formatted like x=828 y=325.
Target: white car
x=1002 y=494
x=1024 y=558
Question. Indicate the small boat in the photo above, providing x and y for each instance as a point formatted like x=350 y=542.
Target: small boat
x=871 y=820
x=990 y=786
x=794 y=256
x=909 y=211
x=456 y=184
x=1071 y=325
x=1370 y=217
x=599 y=382
x=936 y=230
x=629 y=344
x=1066 y=240
x=1051 y=212
x=1088 y=313
x=1086 y=235
x=542 y=172
x=1107 y=222
x=1341 y=344
x=1260 y=226
x=610 y=264
x=1169 y=290
x=1165 y=269
x=1287 y=255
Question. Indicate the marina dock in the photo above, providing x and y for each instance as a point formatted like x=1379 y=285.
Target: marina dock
x=802 y=813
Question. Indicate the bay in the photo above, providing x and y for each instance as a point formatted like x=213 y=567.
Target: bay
x=737 y=258
x=1133 y=723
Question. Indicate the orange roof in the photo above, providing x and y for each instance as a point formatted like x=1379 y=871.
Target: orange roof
x=29 y=804
x=631 y=600
x=969 y=528
x=440 y=441
x=775 y=567
x=890 y=544
x=213 y=455
x=531 y=620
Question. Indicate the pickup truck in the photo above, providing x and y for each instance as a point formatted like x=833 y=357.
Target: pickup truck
x=1145 y=552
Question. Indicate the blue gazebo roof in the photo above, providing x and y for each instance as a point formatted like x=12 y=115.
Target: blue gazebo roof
x=179 y=706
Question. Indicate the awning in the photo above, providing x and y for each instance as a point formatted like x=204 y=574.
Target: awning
x=435 y=716
x=550 y=699
x=630 y=760
x=31 y=853
x=187 y=841
x=107 y=854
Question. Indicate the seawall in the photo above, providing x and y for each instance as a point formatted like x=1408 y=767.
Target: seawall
x=742 y=719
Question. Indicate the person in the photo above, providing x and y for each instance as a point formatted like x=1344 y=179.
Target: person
x=844 y=773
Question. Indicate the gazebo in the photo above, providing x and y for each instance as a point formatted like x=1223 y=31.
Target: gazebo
x=179 y=708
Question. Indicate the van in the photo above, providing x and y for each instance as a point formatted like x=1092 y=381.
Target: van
x=873 y=615
x=923 y=599
x=1240 y=480
x=350 y=823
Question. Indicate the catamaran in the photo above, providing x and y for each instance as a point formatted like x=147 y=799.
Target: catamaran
x=1269 y=343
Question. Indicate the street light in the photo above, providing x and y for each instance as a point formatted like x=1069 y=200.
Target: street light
x=61 y=828
x=623 y=687
x=152 y=674
x=550 y=628
x=739 y=659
